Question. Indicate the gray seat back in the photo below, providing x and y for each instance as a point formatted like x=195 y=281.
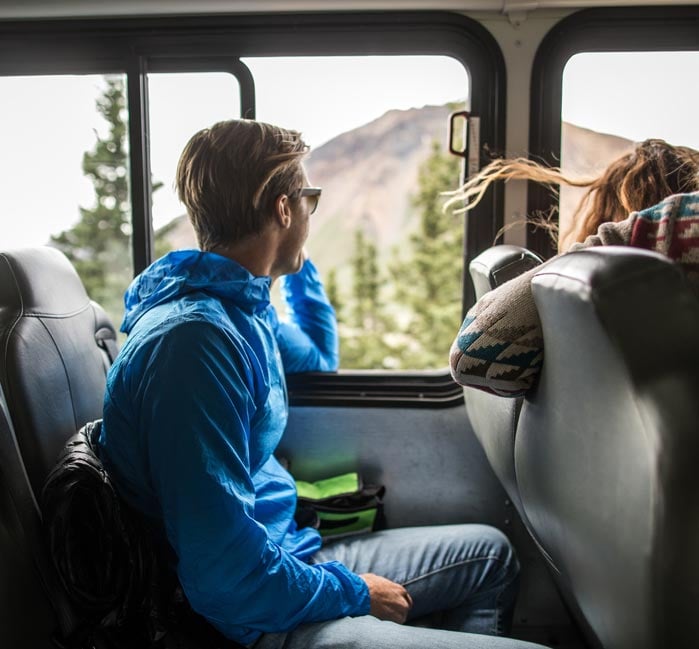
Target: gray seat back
x=607 y=446
x=494 y=418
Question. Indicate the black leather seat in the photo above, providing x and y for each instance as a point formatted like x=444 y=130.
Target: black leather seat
x=494 y=418
x=56 y=349
x=55 y=344
x=607 y=445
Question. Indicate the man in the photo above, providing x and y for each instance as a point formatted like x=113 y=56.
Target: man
x=196 y=405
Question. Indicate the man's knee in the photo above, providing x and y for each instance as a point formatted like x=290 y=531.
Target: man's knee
x=494 y=546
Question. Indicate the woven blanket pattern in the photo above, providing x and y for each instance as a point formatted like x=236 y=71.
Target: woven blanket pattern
x=499 y=347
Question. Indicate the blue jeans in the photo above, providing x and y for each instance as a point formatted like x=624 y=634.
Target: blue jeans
x=465 y=574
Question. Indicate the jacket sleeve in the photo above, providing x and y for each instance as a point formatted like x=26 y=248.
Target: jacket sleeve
x=199 y=400
x=308 y=342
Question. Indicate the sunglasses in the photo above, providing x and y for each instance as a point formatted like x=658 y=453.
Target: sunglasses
x=313 y=196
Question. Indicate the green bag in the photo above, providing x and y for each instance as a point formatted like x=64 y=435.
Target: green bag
x=339 y=506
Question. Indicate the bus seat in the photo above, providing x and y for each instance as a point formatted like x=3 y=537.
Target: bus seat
x=607 y=444
x=33 y=607
x=498 y=264
x=494 y=418
x=56 y=347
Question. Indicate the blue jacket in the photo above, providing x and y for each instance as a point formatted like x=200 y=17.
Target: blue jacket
x=195 y=406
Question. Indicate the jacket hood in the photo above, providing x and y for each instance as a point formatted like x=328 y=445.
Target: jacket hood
x=188 y=271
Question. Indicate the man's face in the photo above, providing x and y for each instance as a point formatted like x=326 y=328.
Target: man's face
x=291 y=254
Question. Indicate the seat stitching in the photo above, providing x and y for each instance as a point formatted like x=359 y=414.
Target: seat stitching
x=57 y=316
x=65 y=371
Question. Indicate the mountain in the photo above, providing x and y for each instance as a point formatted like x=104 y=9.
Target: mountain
x=369 y=176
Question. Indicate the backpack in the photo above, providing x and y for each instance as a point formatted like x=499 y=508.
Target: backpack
x=124 y=591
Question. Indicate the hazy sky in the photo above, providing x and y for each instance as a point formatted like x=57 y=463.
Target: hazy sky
x=46 y=123
x=636 y=95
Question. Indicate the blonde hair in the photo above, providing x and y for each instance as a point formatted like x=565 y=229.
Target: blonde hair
x=653 y=171
x=230 y=174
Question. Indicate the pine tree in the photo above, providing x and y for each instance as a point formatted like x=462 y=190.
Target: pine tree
x=365 y=338
x=333 y=292
x=429 y=282
x=99 y=245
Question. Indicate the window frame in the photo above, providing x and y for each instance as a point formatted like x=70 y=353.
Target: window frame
x=649 y=29
x=139 y=46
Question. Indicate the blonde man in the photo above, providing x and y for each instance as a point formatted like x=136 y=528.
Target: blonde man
x=196 y=405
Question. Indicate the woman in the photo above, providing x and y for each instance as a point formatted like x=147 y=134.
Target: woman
x=499 y=347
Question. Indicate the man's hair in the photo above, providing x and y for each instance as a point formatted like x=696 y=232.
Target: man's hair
x=653 y=171
x=230 y=175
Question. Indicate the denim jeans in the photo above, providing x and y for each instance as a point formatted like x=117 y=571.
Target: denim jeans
x=464 y=575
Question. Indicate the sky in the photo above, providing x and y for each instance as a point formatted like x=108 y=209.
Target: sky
x=635 y=95
x=46 y=123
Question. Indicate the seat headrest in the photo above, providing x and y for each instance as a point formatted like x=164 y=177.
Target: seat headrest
x=606 y=266
x=498 y=264
x=47 y=268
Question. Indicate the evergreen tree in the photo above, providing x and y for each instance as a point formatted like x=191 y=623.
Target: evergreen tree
x=365 y=338
x=333 y=292
x=365 y=287
x=429 y=282
x=99 y=245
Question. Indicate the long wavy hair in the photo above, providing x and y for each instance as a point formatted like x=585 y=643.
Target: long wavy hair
x=653 y=171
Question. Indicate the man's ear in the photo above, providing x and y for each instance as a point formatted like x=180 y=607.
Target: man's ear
x=282 y=211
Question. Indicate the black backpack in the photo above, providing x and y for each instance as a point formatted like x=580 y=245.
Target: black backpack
x=122 y=588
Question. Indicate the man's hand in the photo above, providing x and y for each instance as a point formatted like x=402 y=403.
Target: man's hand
x=389 y=601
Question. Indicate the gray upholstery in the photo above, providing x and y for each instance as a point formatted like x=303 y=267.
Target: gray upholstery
x=607 y=446
x=494 y=418
x=499 y=264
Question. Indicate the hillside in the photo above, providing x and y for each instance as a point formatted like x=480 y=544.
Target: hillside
x=369 y=175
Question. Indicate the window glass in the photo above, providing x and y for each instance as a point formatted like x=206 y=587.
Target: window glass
x=64 y=165
x=612 y=100
x=389 y=257
x=180 y=104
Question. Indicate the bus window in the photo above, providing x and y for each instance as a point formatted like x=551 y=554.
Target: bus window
x=612 y=100
x=64 y=164
x=180 y=104
x=377 y=126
